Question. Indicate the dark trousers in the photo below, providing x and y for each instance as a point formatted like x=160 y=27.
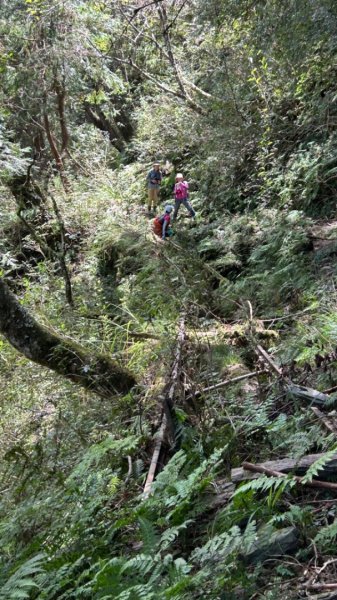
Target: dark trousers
x=187 y=205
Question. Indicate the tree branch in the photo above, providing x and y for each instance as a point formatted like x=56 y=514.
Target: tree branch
x=193 y=105
x=95 y=372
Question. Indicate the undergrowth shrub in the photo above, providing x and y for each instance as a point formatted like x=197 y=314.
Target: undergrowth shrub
x=277 y=269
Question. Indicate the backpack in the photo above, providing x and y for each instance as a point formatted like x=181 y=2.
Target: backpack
x=158 y=225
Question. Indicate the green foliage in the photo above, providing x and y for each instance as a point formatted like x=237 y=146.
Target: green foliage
x=97 y=452
x=265 y=484
x=12 y=158
x=318 y=465
x=241 y=97
x=23 y=581
x=326 y=537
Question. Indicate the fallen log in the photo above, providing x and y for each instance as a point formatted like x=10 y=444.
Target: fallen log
x=323 y=586
x=330 y=390
x=155 y=456
x=267 y=358
x=287 y=465
x=226 y=382
x=324 y=596
x=224 y=492
x=166 y=425
x=96 y=372
x=299 y=391
x=329 y=426
x=314 y=484
x=313 y=396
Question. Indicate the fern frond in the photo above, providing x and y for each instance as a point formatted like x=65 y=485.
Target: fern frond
x=264 y=484
x=296 y=514
x=96 y=452
x=318 y=465
x=20 y=584
x=249 y=536
x=149 y=536
x=171 y=534
x=219 y=547
x=327 y=535
x=142 y=563
x=171 y=471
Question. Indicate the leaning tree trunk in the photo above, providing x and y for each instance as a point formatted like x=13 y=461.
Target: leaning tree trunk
x=95 y=372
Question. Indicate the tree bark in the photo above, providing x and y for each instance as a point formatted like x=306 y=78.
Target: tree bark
x=24 y=194
x=62 y=253
x=61 y=96
x=95 y=372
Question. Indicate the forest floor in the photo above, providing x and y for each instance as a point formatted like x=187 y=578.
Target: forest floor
x=230 y=330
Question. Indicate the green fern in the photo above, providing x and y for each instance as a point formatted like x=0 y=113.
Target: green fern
x=21 y=583
x=218 y=547
x=142 y=564
x=96 y=452
x=295 y=515
x=170 y=535
x=318 y=465
x=171 y=471
x=149 y=536
x=141 y=592
x=137 y=468
x=249 y=536
x=264 y=484
x=326 y=538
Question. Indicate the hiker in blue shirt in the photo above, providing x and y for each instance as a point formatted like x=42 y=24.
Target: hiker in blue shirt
x=154 y=178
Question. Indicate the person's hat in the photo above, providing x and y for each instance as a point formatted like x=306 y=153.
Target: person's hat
x=179 y=176
x=156 y=164
x=168 y=208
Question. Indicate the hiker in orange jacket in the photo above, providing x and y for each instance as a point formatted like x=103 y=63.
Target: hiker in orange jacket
x=161 y=224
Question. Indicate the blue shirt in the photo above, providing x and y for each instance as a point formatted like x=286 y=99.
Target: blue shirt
x=154 y=179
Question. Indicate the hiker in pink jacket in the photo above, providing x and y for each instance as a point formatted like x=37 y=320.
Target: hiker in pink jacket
x=180 y=194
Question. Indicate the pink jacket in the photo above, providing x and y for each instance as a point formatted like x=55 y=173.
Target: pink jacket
x=181 y=190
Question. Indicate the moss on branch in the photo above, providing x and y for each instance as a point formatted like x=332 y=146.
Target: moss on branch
x=95 y=372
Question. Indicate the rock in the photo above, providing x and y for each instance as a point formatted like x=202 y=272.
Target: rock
x=271 y=543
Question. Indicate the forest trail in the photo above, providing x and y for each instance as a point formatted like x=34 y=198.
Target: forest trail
x=176 y=438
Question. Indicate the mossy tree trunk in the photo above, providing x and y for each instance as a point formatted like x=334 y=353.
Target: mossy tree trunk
x=95 y=372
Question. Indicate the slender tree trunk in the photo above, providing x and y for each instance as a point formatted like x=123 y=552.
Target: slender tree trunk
x=167 y=40
x=95 y=372
x=61 y=96
x=55 y=152
x=63 y=253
